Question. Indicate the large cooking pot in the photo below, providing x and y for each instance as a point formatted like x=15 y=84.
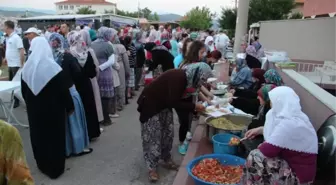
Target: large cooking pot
x=327 y=148
x=234 y=118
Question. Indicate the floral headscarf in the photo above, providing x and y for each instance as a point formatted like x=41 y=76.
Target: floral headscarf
x=197 y=74
x=78 y=47
x=273 y=77
x=56 y=42
x=104 y=34
x=263 y=92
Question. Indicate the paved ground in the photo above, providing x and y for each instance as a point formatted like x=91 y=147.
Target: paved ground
x=116 y=159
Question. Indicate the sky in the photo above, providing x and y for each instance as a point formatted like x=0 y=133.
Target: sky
x=161 y=6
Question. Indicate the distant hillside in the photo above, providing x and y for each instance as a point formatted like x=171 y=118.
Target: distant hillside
x=19 y=13
x=169 y=17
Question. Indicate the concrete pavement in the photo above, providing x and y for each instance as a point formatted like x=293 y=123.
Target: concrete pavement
x=116 y=160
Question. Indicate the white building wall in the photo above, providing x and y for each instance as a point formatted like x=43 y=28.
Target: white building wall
x=73 y=8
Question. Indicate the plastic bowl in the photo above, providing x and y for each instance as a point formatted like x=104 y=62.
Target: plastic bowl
x=224 y=159
x=221 y=144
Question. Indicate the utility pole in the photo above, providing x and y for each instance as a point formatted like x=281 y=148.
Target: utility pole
x=236 y=4
x=138 y=9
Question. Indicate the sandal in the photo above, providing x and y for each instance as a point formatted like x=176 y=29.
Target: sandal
x=85 y=152
x=153 y=176
x=170 y=165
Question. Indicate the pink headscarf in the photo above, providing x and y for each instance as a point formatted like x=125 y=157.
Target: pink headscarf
x=78 y=47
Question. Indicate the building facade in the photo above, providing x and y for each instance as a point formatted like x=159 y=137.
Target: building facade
x=319 y=8
x=72 y=6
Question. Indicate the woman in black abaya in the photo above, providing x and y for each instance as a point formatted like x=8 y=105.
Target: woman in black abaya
x=48 y=103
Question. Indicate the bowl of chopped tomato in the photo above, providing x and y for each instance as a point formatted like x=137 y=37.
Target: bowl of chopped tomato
x=216 y=169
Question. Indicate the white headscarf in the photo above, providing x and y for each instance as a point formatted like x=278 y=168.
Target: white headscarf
x=40 y=67
x=207 y=40
x=286 y=125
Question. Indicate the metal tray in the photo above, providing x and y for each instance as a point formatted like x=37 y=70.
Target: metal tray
x=211 y=131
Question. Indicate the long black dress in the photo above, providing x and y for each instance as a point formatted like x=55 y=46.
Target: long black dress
x=81 y=77
x=47 y=114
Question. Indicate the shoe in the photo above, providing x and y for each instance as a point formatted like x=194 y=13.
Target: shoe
x=183 y=149
x=114 y=115
x=153 y=176
x=189 y=136
x=101 y=130
x=107 y=123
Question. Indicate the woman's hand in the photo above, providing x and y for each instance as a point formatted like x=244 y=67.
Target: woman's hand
x=251 y=134
x=199 y=108
x=232 y=91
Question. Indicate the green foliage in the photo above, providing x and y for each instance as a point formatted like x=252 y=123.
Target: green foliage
x=228 y=18
x=145 y=13
x=263 y=10
x=297 y=15
x=85 y=10
x=260 y=10
x=198 y=18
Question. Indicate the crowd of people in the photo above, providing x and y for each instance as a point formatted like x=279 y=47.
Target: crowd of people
x=74 y=82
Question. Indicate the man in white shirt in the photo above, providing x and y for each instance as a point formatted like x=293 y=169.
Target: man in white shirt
x=14 y=52
x=221 y=42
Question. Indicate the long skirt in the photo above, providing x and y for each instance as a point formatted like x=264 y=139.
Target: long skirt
x=157 y=138
x=97 y=98
x=77 y=138
x=262 y=170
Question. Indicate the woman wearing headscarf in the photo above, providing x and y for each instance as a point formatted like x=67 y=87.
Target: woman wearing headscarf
x=162 y=59
x=103 y=50
x=209 y=43
x=77 y=139
x=261 y=77
x=123 y=72
x=243 y=77
x=288 y=154
x=86 y=36
x=174 y=45
x=252 y=60
x=116 y=80
x=48 y=103
x=155 y=107
x=259 y=49
x=131 y=52
x=82 y=80
x=140 y=60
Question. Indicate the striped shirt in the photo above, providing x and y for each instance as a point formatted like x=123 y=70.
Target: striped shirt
x=132 y=55
x=13 y=166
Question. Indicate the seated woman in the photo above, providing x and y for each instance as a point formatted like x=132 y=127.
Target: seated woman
x=243 y=77
x=260 y=77
x=251 y=57
x=289 y=153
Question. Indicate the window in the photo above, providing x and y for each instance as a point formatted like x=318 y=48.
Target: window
x=65 y=7
x=77 y=5
x=60 y=7
x=90 y=6
x=71 y=7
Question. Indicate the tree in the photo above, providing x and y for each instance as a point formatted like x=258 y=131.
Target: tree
x=198 y=18
x=262 y=10
x=85 y=10
x=156 y=17
x=228 y=18
x=297 y=15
